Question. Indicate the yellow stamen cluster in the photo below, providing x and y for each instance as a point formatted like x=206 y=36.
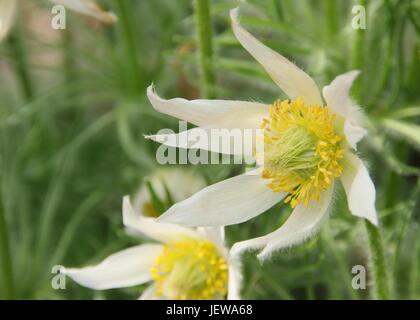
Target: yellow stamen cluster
x=190 y=270
x=301 y=150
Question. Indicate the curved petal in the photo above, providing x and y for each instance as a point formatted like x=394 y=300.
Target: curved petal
x=234 y=279
x=149 y=294
x=218 y=113
x=7 y=14
x=353 y=133
x=228 y=202
x=359 y=188
x=163 y=232
x=292 y=80
x=303 y=222
x=233 y=141
x=339 y=102
x=89 y=8
x=337 y=96
x=126 y=268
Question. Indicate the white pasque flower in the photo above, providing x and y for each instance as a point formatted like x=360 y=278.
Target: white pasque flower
x=187 y=263
x=86 y=7
x=307 y=145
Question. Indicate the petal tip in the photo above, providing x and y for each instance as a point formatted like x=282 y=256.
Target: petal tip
x=150 y=91
x=108 y=17
x=234 y=14
x=148 y=136
x=374 y=220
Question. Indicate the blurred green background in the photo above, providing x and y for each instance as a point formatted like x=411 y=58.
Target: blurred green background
x=74 y=111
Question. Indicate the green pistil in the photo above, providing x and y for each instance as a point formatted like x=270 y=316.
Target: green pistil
x=295 y=151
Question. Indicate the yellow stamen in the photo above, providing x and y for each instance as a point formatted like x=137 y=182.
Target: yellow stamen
x=302 y=151
x=190 y=270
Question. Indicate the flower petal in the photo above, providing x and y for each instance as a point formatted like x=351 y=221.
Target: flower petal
x=7 y=14
x=339 y=102
x=353 y=133
x=217 y=113
x=359 y=188
x=216 y=235
x=234 y=141
x=164 y=232
x=126 y=268
x=292 y=80
x=337 y=96
x=228 y=202
x=89 y=8
x=303 y=222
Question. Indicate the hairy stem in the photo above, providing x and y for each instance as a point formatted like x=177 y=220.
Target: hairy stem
x=379 y=272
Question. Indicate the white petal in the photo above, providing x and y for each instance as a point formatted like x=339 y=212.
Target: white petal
x=337 y=96
x=359 y=188
x=234 y=278
x=226 y=141
x=217 y=236
x=353 y=133
x=339 y=102
x=292 y=80
x=7 y=14
x=126 y=268
x=164 y=232
x=228 y=202
x=89 y=8
x=303 y=223
x=219 y=113
x=149 y=294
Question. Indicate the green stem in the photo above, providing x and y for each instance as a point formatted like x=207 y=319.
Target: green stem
x=17 y=54
x=134 y=70
x=358 y=52
x=331 y=19
x=6 y=271
x=205 y=47
x=378 y=266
